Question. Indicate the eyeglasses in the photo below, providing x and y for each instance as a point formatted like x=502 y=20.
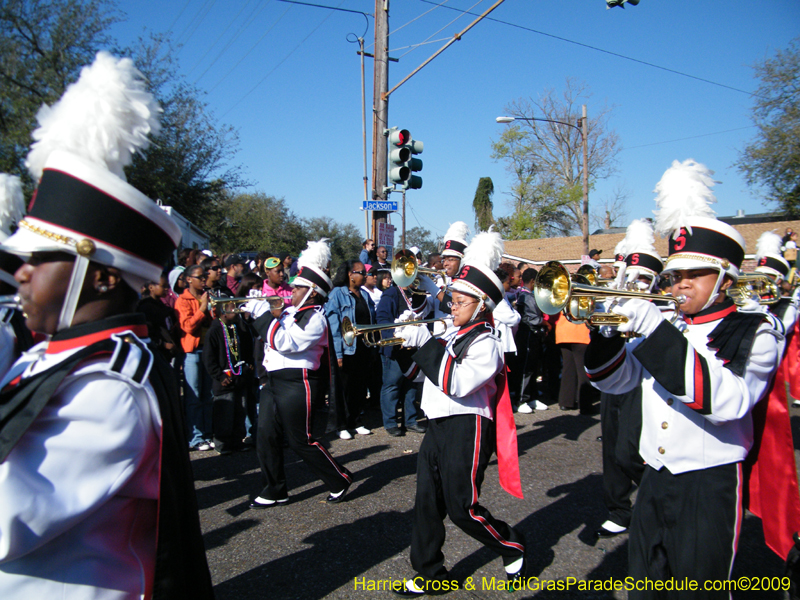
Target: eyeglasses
x=217 y=268
x=460 y=304
x=358 y=272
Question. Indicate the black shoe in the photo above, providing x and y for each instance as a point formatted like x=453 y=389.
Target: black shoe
x=599 y=438
x=395 y=432
x=516 y=581
x=331 y=499
x=259 y=506
x=416 y=428
x=604 y=533
x=567 y=407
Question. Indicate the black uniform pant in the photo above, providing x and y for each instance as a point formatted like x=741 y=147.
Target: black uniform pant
x=354 y=380
x=286 y=411
x=228 y=413
x=450 y=466
x=685 y=526
x=621 y=427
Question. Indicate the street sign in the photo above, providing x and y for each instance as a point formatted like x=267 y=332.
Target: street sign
x=386 y=205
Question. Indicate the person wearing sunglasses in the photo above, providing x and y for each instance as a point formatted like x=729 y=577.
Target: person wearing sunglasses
x=465 y=397
x=214 y=280
x=275 y=280
x=347 y=300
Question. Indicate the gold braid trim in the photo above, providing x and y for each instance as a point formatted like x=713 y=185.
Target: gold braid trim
x=84 y=247
x=702 y=258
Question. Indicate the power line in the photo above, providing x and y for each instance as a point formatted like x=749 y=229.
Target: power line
x=693 y=137
x=443 y=28
x=249 y=21
x=283 y=60
x=595 y=48
x=179 y=15
x=201 y=15
x=221 y=35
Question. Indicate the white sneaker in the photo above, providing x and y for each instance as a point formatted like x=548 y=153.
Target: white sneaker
x=541 y=405
x=525 y=409
x=203 y=446
x=363 y=431
x=345 y=435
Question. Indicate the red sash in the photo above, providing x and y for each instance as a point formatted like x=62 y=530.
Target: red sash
x=506 y=435
x=772 y=492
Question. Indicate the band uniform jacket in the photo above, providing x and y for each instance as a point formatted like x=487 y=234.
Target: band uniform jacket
x=295 y=340
x=695 y=408
x=80 y=490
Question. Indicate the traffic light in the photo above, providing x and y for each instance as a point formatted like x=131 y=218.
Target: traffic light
x=401 y=156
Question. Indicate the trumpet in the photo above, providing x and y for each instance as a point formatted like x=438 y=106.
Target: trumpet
x=275 y=303
x=589 y=273
x=372 y=333
x=554 y=291
x=754 y=286
x=405 y=269
x=13 y=301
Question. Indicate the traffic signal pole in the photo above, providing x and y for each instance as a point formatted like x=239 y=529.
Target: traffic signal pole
x=380 y=111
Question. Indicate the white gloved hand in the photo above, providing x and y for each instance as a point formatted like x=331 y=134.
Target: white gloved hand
x=426 y=284
x=413 y=336
x=643 y=316
x=256 y=307
x=751 y=305
x=408 y=315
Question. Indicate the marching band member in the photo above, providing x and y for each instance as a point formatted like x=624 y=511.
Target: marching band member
x=96 y=491
x=464 y=376
x=770 y=262
x=698 y=388
x=296 y=340
x=455 y=243
x=15 y=337
x=621 y=414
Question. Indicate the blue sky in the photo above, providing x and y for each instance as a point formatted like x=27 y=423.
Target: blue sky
x=288 y=79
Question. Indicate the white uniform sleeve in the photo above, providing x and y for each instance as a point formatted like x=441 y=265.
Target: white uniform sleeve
x=82 y=449
x=286 y=336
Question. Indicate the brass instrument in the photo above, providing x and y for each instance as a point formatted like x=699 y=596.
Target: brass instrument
x=13 y=301
x=372 y=333
x=754 y=286
x=555 y=291
x=590 y=273
x=405 y=269
x=275 y=303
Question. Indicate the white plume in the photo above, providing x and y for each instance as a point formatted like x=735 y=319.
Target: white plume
x=457 y=231
x=316 y=255
x=12 y=204
x=639 y=238
x=485 y=249
x=683 y=192
x=768 y=243
x=104 y=117
x=621 y=246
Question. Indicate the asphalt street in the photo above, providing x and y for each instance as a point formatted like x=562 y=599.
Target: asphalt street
x=308 y=549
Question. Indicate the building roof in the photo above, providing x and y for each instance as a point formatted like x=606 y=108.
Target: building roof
x=570 y=248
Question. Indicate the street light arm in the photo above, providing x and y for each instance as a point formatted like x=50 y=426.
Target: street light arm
x=512 y=119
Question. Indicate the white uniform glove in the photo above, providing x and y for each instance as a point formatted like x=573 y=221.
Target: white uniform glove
x=643 y=316
x=751 y=305
x=408 y=315
x=256 y=307
x=427 y=285
x=413 y=336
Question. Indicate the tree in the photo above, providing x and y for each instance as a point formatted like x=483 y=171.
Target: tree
x=546 y=158
x=482 y=204
x=612 y=210
x=254 y=222
x=189 y=165
x=772 y=160
x=345 y=239
x=43 y=45
x=421 y=238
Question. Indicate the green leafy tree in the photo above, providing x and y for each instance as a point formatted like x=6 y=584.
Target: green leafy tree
x=482 y=204
x=772 y=160
x=345 y=238
x=422 y=239
x=255 y=222
x=43 y=45
x=190 y=164
x=545 y=158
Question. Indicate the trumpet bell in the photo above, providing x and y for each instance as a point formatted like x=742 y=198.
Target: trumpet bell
x=405 y=269
x=552 y=288
x=372 y=333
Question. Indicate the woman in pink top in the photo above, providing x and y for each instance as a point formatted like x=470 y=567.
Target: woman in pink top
x=274 y=284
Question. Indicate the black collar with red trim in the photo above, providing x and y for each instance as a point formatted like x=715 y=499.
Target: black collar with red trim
x=89 y=333
x=714 y=312
x=468 y=334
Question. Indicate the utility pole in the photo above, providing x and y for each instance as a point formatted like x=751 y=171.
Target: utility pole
x=380 y=111
x=585 y=220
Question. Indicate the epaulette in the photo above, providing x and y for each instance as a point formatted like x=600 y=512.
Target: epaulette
x=732 y=340
x=131 y=358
